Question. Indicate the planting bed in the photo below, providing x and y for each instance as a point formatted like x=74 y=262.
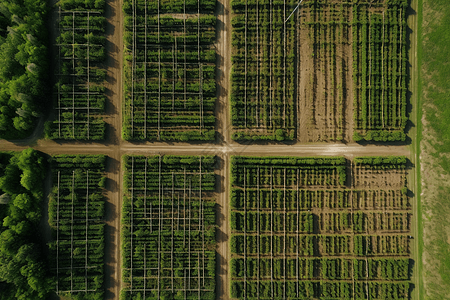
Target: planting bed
x=168 y=228
x=76 y=214
x=263 y=76
x=80 y=94
x=170 y=88
x=303 y=229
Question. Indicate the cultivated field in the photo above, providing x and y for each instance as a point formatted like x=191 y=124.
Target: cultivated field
x=221 y=219
x=170 y=88
x=76 y=215
x=331 y=71
x=302 y=229
x=168 y=228
x=80 y=94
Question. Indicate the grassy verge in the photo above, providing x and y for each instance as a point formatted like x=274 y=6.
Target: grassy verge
x=434 y=134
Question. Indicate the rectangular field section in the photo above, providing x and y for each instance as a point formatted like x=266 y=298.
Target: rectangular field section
x=76 y=214
x=80 y=94
x=302 y=229
x=170 y=61
x=168 y=227
x=330 y=71
x=263 y=74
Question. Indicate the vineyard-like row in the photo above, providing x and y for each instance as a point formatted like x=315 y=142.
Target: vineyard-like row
x=301 y=228
x=76 y=214
x=170 y=88
x=263 y=76
x=80 y=93
x=168 y=228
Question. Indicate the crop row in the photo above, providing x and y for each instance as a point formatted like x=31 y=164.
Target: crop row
x=306 y=289
x=270 y=244
x=302 y=199
x=320 y=268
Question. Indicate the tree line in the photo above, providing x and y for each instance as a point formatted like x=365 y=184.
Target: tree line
x=23 y=65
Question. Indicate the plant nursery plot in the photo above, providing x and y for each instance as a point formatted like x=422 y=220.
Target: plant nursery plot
x=80 y=93
x=76 y=214
x=170 y=87
x=263 y=75
x=168 y=227
x=333 y=70
x=301 y=229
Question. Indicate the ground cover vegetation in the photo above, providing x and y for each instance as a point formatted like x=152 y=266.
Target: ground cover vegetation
x=80 y=93
x=76 y=215
x=337 y=68
x=170 y=88
x=23 y=270
x=23 y=66
x=168 y=227
x=319 y=227
x=434 y=88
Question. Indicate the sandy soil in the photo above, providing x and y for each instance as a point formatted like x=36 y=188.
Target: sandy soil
x=325 y=86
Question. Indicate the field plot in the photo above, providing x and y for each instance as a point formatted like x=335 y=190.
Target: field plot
x=80 y=97
x=302 y=229
x=324 y=70
x=168 y=228
x=331 y=71
x=379 y=70
x=263 y=77
x=170 y=88
x=76 y=212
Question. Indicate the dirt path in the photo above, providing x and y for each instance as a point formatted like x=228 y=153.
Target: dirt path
x=114 y=48
x=223 y=48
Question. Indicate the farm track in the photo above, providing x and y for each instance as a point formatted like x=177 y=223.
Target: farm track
x=115 y=147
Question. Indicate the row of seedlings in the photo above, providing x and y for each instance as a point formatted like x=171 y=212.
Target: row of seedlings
x=76 y=215
x=168 y=227
x=379 y=70
x=263 y=77
x=80 y=90
x=298 y=233
x=170 y=88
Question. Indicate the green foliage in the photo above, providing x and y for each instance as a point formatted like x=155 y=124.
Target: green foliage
x=171 y=97
x=155 y=188
x=23 y=271
x=80 y=113
x=76 y=213
x=23 y=66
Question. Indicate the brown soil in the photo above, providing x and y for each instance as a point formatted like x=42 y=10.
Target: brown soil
x=325 y=93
